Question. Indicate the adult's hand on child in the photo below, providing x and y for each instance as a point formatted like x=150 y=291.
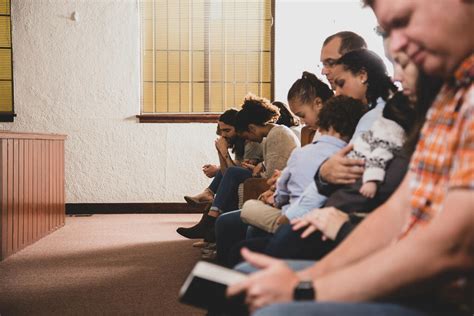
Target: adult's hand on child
x=339 y=169
x=273 y=283
x=327 y=220
x=369 y=189
x=210 y=170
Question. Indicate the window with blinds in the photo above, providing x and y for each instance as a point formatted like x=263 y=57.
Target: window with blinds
x=204 y=56
x=6 y=77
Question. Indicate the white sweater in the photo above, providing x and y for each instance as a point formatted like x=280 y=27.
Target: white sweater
x=377 y=147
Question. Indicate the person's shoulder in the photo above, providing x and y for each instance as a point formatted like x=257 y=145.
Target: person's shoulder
x=282 y=132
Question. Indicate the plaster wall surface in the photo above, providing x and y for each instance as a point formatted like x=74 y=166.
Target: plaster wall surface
x=81 y=78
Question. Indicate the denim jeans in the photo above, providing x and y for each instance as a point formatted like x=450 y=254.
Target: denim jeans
x=231 y=232
x=214 y=186
x=226 y=198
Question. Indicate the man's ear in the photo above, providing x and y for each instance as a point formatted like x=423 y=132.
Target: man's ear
x=252 y=128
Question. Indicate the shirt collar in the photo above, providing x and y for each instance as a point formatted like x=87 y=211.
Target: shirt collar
x=465 y=72
x=331 y=140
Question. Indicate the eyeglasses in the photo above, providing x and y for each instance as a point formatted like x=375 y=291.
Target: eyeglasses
x=380 y=31
x=328 y=63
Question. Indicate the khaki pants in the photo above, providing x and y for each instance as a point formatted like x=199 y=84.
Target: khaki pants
x=260 y=215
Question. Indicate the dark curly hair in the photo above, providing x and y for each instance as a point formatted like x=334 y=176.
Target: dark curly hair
x=342 y=113
x=257 y=111
x=229 y=116
x=287 y=117
x=379 y=84
x=237 y=144
x=308 y=88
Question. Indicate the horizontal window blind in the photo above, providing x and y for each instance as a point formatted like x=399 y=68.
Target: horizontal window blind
x=6 y=80
x=204 y=56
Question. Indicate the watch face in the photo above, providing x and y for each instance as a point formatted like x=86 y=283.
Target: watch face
x=304 y=291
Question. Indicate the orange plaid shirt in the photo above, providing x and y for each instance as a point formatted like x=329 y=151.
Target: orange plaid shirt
x=444 y=157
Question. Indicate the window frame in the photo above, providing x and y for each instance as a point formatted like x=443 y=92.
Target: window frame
x=202 y=117
x=9 y=116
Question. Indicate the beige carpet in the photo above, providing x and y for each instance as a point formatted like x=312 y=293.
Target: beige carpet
x=103 y=264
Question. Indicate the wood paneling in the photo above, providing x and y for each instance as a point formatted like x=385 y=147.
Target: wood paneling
x=32 y=188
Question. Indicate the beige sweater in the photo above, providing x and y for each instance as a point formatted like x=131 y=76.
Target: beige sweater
x=277 y=147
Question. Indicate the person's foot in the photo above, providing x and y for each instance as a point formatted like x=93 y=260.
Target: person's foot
x=204 y=197
x=200 y=230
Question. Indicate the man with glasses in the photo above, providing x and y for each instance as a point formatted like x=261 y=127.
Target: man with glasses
x=334 y=47
x=414 y=255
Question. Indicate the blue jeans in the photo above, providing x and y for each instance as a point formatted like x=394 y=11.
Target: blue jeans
x=214 y=186
x=414 y=308
x=355 y=309
x=229 y=231
x=226 y=198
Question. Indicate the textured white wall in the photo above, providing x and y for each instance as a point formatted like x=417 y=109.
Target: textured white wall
x=81 y=78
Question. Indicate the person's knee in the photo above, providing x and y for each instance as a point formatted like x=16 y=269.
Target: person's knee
x=274 y=310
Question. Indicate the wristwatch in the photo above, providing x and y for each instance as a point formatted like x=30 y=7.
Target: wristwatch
x=304 y=291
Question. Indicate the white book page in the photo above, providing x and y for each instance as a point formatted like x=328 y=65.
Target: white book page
x=214 y=273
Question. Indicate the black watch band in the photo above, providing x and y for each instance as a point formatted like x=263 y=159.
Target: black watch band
x=304 y=291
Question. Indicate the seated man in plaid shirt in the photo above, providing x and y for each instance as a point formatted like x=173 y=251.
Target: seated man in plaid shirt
x=414 y=255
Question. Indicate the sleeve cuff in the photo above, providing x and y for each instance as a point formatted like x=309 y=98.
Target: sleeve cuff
x=373 y=174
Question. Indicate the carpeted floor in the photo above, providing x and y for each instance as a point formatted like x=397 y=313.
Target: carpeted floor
x=103 y=264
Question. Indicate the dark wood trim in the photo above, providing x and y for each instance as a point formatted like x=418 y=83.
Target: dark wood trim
x=131 y=208
x=178 y=118
x=26 y=135
x=7 y=117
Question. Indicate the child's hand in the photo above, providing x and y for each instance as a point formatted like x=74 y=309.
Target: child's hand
x=368 y=189
x=267 y=197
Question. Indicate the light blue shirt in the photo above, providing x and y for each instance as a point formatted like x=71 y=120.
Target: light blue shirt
x=301 y=167
x=368 y=119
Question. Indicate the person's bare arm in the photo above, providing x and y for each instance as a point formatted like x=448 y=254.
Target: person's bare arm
x=224 y=157
x=385 y=223
x=438 y=254
x=428 y=258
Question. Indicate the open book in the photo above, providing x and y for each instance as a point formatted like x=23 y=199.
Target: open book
x=206 y=286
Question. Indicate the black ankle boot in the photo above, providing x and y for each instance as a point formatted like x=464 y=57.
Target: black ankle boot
x=200 y=230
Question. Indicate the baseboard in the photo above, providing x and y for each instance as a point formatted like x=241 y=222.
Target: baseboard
x=130 y=208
